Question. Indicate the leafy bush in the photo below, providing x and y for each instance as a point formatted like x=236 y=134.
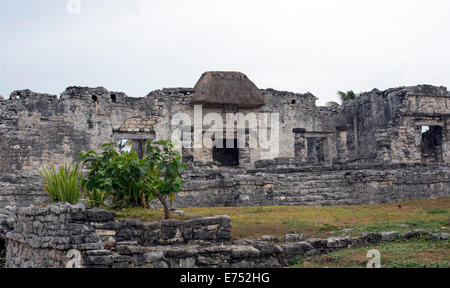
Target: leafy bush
x=119 y=175
x=63 y=184
x=134 y=182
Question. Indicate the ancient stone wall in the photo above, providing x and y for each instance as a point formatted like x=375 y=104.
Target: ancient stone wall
x=384 y=126
x=280 y=183
x=42 y=237
x=379 y=127
x=36 y=129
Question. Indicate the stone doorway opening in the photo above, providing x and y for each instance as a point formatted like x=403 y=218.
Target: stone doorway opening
x=432 y=144
x=316 y=150
x=136 y=142
x=137 y=145
x=226 y=156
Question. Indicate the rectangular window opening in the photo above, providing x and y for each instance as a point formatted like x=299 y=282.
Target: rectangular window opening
x=226 y=156
x=431 y=144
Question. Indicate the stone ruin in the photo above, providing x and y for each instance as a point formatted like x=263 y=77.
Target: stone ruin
x=384 y=146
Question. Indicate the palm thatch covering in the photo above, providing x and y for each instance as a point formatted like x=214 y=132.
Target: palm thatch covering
x=232 y=88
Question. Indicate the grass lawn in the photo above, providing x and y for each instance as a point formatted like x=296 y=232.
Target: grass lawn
x=414 y=253
x=321 y=221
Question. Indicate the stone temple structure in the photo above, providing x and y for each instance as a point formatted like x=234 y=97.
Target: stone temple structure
x=384 y=146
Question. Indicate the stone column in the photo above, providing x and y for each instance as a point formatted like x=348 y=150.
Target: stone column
x=341 y=144
x=244 y=153
x=301 y=152
x=383 y=145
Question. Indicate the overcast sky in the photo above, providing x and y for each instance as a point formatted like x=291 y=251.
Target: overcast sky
x=137 y=46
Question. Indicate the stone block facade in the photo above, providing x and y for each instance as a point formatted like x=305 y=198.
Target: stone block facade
x=321 y=146
x=287 y=182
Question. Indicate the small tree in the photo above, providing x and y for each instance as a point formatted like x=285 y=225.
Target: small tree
x=163 y=177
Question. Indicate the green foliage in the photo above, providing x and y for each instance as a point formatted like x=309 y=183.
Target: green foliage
x=95 y=197
x=347 y=96
x=163 y=165
x=133 y=182
x=63 y=184
x=332 y=104
x=297 y=261
x=119 y=175
x=344 y=97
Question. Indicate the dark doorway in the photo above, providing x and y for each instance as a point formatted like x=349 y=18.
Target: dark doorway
x=226 y=156
x=316 y=153
x=432 y=144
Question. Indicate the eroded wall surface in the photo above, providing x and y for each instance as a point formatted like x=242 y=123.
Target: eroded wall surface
x=357 y=143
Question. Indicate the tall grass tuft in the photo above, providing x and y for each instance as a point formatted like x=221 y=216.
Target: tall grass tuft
x=95 y=197
x=63 y=184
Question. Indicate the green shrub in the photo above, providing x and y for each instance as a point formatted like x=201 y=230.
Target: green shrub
x=119 y=175
x=63 y=184
x=134 y=182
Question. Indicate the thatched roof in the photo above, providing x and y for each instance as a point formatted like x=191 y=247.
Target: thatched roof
x=234 y=88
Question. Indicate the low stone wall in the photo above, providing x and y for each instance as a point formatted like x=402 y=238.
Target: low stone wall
x=280 y=182
x=314 y=185
x=42 y=237
x=73 y=236
x=168 y=232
